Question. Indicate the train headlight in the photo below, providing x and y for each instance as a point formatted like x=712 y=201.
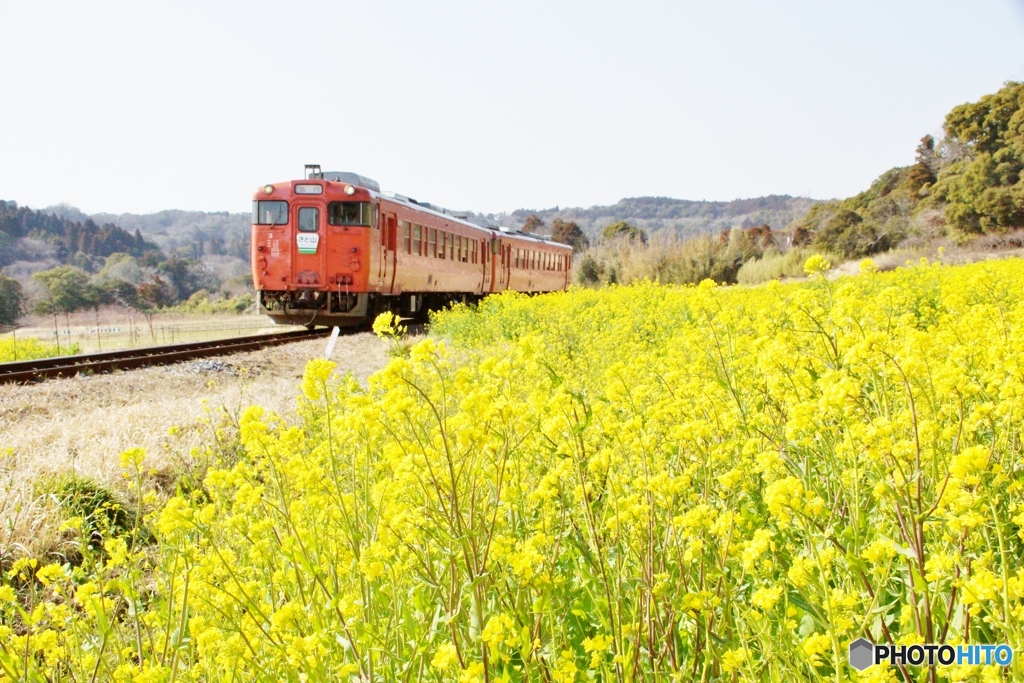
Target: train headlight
x=268 y=189
x=349 y=190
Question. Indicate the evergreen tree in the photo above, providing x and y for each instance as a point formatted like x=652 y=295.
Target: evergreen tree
x=12 y=301
x=984 y=186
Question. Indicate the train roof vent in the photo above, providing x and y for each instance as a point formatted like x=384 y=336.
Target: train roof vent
x=352 y=179
x=432 y=207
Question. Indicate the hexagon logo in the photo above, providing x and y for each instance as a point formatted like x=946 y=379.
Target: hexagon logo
x=862 y=654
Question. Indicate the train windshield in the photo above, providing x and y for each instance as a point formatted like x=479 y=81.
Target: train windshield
x=350 y=213
x=269 y=213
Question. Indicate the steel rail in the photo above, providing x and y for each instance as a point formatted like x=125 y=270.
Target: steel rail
x=129 y=359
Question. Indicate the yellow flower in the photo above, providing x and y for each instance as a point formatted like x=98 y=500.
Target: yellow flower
x=733 y=659
x=445 y=657
x=765 y=598
x=817 y=264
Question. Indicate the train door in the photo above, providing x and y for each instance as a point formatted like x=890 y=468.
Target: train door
x=388 y=245
x=506 y=267
x=495 y=267
x=310 y=248
x=485 y=263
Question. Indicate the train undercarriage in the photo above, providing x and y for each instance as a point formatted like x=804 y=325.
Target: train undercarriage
x=312 y=307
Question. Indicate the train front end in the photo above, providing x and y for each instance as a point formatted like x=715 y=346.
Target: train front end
x=311 y=248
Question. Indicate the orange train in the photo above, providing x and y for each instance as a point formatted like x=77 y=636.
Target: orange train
x=332 y=249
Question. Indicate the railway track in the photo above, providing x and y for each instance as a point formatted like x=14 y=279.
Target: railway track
x=129 y=359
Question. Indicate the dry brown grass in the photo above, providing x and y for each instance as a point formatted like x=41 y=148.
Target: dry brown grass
x=983 y=248
x=114 y=328
x=83 y=424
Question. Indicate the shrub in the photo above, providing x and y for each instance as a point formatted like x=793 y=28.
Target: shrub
x=104 y=514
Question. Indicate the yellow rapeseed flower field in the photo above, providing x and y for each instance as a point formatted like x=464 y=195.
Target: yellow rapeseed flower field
x=635 y=483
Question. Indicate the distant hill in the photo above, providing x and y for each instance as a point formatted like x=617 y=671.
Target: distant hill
x=190 y=234
x=25 y=233
x=682 y=217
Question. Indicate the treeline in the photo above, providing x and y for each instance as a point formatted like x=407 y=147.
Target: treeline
x=66 y=237
x=122 y=282
x=677 y=217
x=99 y=266
x=967 y=184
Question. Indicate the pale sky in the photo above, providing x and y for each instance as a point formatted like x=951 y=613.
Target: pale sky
x=488 y=106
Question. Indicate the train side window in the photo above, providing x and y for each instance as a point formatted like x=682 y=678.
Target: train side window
x=432 y=242
x=407 y=237
x=309 y=219
x=416 y=238
x=442 y=243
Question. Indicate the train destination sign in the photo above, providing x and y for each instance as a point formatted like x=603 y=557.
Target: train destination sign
x=307 y=242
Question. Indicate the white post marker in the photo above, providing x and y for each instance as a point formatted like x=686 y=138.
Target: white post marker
x=331 y=342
